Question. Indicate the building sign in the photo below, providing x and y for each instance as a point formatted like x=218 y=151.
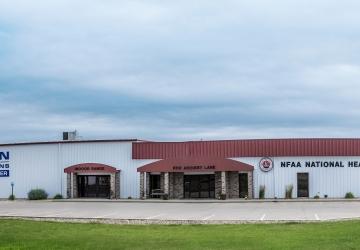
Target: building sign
x=320 y=164
x=266 y=164
x=194 y=168
x=4 y=173
x=88 y=168
x=4 y=164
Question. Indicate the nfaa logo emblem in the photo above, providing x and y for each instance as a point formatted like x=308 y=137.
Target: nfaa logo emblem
x=4 y=164
x=266 y=164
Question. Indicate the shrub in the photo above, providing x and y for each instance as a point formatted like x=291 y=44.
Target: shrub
x=222 y=196
x=11 y=197
x=58 y=197
x=37 y=194
x=262 y=192
x=349 y=195
x=288 y=191
x=165 y=197
x=129 y=198
x=325 y=196
x=317 y=197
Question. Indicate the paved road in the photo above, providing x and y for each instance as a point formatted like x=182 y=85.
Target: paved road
x=267 y=211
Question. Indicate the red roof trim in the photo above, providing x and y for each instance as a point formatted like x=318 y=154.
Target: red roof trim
x=247 y=148
x=195 y=165
x=90 y=167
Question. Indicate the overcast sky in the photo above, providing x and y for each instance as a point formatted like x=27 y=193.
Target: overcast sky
x=179 y=70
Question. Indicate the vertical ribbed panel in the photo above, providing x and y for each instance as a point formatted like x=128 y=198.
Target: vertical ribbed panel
x=42 y=165
x=247 y=148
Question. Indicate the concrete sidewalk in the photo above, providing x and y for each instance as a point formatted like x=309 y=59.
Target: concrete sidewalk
x=140 y=212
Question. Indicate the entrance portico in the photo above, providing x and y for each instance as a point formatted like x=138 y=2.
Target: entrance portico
x=92 y=180
x=196 y=178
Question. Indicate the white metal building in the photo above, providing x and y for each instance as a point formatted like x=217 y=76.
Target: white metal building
x=41 y=165
x=199 y=169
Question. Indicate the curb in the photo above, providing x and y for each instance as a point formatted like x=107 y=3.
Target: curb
x=207 y=201
x=168 y=222
x=185 y=201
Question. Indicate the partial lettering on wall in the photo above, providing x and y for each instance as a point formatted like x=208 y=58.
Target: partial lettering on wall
x=4 y=164
x=320 y=164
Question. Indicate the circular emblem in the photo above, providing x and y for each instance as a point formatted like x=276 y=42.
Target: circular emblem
x=266 y=164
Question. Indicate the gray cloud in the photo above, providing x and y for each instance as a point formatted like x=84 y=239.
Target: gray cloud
x=180 y=70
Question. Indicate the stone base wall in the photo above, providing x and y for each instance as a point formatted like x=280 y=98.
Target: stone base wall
x=232 y=185
x=142 y=188
x=217 y=185
x=68 y=186
x=147 y=188
x=176 y=185
x=112 y=186
x=117 y=185
x=71 y=187
x=250 y=185
x=75 y=186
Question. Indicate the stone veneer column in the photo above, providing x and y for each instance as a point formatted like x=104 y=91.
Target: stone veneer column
x=112 y=186
x=162 y=181
x=223 y=182
x=217 y=185
x=71 y=185
x=142 y=191
x=117 y=185
x=147 y=187
x=68 y=185
x=171 y=185
x=250 y=185
x=176 y=185
x=232 y=184
x=166 y=183
x=74 y=186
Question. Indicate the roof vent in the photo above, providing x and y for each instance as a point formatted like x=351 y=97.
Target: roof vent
x=70 y=136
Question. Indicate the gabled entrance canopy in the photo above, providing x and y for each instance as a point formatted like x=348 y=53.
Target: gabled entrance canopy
x=90 y=167
x=195 y=165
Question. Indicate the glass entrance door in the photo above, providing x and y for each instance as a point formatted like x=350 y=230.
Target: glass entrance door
x=302 y=185
x=243 y=185
x=155 y=185
x=94 y=186
x=199 y=186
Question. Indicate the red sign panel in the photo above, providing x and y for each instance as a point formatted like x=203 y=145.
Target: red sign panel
x=195 y=165
x=90 y=167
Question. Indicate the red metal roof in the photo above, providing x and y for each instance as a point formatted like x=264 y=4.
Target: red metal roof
x=247 y=148
x=195 y=165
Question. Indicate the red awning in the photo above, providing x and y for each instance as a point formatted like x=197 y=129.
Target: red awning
x=195 y=165
x=90 y=167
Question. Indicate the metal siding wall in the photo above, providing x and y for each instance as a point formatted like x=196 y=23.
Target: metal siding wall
x=115 y=154
x=43 y=166
x=260 y=177
x=32 y=166
x=334 y=182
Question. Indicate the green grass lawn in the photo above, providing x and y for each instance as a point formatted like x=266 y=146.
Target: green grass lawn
x=18 y=234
